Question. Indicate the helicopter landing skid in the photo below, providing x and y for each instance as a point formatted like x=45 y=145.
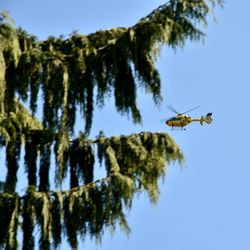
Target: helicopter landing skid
x=178 y=129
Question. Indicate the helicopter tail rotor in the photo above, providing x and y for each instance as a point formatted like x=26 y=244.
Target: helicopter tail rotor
x=207 y=119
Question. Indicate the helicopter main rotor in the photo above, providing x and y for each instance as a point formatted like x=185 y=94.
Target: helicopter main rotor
x=175 y=111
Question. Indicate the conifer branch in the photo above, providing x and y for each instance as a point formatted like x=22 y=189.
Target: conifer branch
x=66 y=72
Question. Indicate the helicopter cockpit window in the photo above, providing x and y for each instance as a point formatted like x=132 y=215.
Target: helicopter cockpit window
x=176 y=119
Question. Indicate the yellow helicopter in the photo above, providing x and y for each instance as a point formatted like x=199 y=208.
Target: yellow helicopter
x=181 y=120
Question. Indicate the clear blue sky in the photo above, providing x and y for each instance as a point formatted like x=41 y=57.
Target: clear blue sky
x=206 y=206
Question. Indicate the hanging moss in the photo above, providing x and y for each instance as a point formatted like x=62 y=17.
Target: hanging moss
x=12 y=157
x=28 y=223
x=61 y=150
x=57 y=215
x=45 y=154
x=31 y=159
x=9 y=57
x=12 y=242
x=81 y=161
x=9 y=213
x=42 y=208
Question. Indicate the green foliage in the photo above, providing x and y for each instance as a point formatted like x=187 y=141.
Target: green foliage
x=9 y=213
x=68 y=70
x=139 y=159
x=78 y=73
x=133 y=164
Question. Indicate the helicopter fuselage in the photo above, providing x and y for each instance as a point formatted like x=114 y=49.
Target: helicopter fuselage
x=179 y=121
x=183 y=120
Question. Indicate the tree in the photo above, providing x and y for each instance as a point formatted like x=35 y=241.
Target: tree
x=67 y=72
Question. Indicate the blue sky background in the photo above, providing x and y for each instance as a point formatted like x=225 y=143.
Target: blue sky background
x=207 y=204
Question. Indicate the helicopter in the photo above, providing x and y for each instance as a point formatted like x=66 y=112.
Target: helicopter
x=181 y=120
